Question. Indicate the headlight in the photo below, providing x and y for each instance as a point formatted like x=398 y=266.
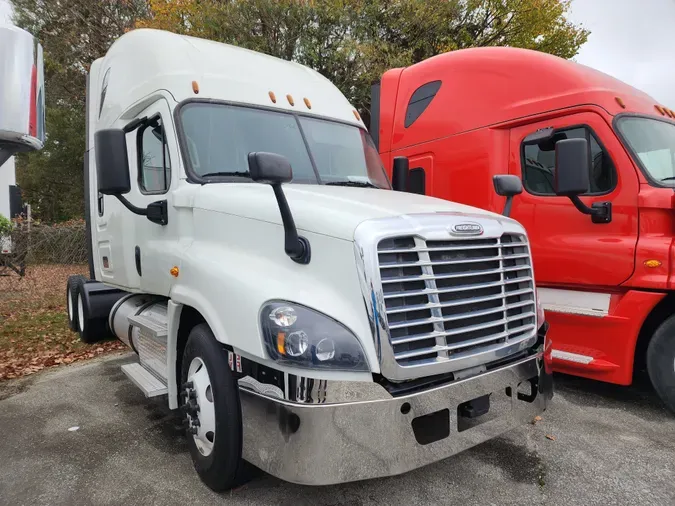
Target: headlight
x=301 y=337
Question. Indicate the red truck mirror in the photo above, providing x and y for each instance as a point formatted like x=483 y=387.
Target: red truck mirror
x=399 y=175
x=572 y=165
x=572 y=158
x=508 y=186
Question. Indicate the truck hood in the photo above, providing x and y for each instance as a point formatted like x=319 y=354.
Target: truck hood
x=334 y=211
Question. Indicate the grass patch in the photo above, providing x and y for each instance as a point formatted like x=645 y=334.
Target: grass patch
x=34 y=331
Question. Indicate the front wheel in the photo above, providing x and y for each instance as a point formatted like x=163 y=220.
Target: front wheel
x=661 y=362
x=210 y=402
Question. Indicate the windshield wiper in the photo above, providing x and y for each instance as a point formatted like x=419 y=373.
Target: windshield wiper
x=360 y=184
x=235 y=174
x=669 y=178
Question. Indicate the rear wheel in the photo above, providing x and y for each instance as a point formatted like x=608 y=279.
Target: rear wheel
x=210 y=402
x=91 y=330
x=661 y=362
x=72 y=291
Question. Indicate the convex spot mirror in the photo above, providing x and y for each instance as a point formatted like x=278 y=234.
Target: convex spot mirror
x=507 y=185
x=112 y=162
x=269 y=168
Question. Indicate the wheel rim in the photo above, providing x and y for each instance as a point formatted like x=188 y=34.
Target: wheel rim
x=69 y=304
x=201 y=414
x=80 y=312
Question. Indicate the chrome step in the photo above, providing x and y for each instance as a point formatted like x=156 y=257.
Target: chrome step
x=150 y=325
x=149 y=384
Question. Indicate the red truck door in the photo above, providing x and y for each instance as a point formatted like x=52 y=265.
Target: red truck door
x=570 y=250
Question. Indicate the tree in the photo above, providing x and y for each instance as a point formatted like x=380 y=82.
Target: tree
x=73 y=33
x=351 y=42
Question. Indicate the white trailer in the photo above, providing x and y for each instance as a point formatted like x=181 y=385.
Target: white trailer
x=22 y=117
x=247 y=245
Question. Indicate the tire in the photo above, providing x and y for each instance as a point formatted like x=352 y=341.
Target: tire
x=72 y=289
x=91 y=330
x=661 y=362
x=220 y=467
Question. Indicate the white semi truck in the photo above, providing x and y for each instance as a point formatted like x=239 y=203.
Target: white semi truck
x=247 y=244
x=22 y=119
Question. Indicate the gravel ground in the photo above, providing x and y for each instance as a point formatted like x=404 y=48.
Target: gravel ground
x=610 y=445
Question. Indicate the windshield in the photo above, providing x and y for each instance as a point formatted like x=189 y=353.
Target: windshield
x=219 y=138
x=653 y=142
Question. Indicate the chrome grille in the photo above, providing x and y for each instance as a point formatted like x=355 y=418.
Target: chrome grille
x=448 y=299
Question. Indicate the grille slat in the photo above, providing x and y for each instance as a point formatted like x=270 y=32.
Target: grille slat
x=447 y=298
x=499 y=296
x=463 y=345
x=425 y=277
x=394 y=265
x=460 y=288
x=413 y=249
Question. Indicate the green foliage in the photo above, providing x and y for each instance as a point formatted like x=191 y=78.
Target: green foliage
x=5 y=226
x=52 y=180
x=351 y=42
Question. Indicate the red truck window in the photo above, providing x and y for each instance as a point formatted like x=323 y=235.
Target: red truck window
x=420 y=100
x=538 y=161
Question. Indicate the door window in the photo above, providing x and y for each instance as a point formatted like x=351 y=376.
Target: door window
x=538 y=161
x=154 y=166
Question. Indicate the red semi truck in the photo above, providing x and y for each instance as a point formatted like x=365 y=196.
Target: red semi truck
x=603 y=256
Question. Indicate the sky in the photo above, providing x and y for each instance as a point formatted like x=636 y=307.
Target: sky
x=632 y=40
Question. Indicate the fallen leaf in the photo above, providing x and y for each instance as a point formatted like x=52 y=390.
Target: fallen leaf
x=536 y=419
x=73 y=429
x=549 y=436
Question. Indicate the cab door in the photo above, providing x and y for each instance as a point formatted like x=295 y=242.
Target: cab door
x=567 y=247
x=136 y=253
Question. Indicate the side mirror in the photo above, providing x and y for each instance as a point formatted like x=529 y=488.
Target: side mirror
x=112 y=162
x=507 y=186
x=112 y=172
x=572 y=157
x=399 y=175
x=274 y=170
x=572 y=166
x=269 y=168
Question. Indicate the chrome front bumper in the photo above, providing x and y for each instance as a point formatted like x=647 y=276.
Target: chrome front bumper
x=322 y=444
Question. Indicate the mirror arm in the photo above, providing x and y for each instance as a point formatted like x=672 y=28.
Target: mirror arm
x=134 y=124
x=507 y=206
x=141 y=211
x=296 y=247
x=600 y=212
x=156 y=212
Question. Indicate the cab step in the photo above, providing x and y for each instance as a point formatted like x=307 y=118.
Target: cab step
x=149 y=384
x=152 y=326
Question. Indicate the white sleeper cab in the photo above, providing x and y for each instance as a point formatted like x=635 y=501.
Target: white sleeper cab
x=304 y=315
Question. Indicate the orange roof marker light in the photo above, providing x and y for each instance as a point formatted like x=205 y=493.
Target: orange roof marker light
x=660 y=109
x=620 y=102
x=174 y=271
x=670 y=113
x=195 y=87
x=290 y=99
x=307 y=103
x=357 y=115
x=273 y=97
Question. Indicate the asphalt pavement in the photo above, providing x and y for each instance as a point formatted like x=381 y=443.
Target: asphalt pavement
x=597 y=444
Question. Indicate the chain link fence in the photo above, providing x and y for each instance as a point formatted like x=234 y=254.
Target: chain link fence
x=33 y=244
